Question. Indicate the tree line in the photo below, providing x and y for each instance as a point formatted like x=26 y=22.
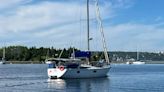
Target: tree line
x=23 y=53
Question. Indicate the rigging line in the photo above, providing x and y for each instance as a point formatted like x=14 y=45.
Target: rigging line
x=80 y=27
x=88 y=38
x=102 y=32
x=61 y=53
x=4 y=53
x=47 y=55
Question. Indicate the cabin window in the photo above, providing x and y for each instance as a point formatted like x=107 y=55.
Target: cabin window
x=94 y=71
x=78 y=71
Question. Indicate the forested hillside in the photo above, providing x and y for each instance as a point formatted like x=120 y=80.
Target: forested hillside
x=23 y=53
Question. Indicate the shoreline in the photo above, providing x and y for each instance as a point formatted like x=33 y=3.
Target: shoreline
x=42 y=62
x=147 y=62
x=24 y=62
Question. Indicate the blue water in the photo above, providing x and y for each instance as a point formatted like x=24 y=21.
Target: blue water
x=122 y=78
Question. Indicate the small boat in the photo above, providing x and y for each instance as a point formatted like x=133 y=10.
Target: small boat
x=135 y=61
x=128 y=62
x=73 y=67
x=48 y=61
x=138 y=62
x=3 y=61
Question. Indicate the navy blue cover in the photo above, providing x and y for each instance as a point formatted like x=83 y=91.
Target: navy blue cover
x=83 y=54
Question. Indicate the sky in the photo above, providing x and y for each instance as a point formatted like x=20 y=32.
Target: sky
x=129 y=25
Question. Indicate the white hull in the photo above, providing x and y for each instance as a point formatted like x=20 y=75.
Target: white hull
x=2 y=62
x=138 y=62
x=128 y=62
x=78 y=73
x=48 y=62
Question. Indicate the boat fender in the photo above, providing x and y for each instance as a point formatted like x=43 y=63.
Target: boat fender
x=61 y=68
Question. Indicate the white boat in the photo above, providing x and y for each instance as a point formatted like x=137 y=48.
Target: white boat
x=48 y=60
x=3 y=61
x=138 y=62
x=128 y=62
x=73 y=68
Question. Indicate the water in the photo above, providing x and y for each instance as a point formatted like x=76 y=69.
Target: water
x=122 y=78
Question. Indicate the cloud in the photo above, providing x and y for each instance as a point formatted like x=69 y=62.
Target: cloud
x=9 y=5
x=41 y=19
x=129 y=36
x=61 y=23
x=42 y=15
x=6 y=4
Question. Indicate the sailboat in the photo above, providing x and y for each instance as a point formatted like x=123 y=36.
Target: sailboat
x=2 y=61
x=47 y=60
x=138 y=61
x=73 y=68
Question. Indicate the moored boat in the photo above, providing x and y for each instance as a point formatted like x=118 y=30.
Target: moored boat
x=73 y=67
x=138 y=62
x=3 y=61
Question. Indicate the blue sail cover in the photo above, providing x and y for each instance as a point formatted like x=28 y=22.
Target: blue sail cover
x=83 y=54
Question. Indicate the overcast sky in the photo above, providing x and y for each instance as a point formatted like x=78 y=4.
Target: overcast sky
x=128 y=24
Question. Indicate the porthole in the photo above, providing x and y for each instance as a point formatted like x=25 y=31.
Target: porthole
x=78 y=71
x=94 y=71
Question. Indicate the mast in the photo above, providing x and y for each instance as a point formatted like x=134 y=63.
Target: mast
x=102 y=32
x=47 y=56
x=88 y=38
x=3 y=58
x=137 y=55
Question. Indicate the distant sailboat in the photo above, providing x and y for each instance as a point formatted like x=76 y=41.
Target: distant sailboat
x=138 y=60
x=72 y=67
x=135 y=61
x=47 y=60
x=3 y=61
